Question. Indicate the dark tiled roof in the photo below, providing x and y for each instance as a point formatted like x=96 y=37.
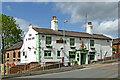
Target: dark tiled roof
x=47 y=31
x=15 y=46
x=116 y=41
x=70 y=33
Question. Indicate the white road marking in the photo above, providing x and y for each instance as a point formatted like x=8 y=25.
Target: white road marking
x=85 y=69
x=114 y=63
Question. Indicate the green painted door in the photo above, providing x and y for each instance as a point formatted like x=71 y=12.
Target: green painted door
x=84 y=58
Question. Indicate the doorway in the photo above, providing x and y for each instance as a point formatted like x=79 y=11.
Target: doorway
x=83 y=58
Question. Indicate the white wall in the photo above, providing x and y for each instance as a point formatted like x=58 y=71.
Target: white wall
x=31 y=57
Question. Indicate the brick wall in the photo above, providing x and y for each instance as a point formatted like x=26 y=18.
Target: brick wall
x=11 y=59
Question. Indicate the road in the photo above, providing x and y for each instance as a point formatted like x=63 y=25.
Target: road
x=94 y=71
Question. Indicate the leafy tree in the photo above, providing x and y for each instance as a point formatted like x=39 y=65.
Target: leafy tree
x=11 y=30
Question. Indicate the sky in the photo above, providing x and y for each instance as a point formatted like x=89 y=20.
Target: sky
x=103 y=15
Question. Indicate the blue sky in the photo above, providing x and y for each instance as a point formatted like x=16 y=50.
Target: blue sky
x=39 y=14
x=102 y=15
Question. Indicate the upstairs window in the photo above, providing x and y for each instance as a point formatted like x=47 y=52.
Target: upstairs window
x=30 y=34
x=48 y=40
x=19 y=54
x=72 y=41
x=91 y=42
x=14 y=54
x=33 y=37
x=23 y=53
x=7 y=55
x=29 y=38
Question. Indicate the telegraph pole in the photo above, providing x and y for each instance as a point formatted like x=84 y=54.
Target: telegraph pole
x=3 y=55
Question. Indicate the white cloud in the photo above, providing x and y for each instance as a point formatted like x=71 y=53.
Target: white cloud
x=105 y=12
x=8 y=8
x=24 y=25
x=108 y=28
x=94 y=10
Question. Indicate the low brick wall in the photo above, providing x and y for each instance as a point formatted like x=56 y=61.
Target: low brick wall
x=33 y=67
x=16 y=69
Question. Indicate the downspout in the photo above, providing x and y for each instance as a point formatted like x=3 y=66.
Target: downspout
x=38 y=48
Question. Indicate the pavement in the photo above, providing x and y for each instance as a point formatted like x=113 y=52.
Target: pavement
x=94 y=71
x=91 y=71
x=62 y=69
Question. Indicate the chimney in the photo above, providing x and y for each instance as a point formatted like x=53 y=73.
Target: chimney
x=31 y=26
x=89 y=28
x=54 y=23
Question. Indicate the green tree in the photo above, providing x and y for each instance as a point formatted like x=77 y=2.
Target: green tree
x=11 y=30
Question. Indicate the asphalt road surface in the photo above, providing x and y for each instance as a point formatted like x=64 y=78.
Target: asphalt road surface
x=94 y=71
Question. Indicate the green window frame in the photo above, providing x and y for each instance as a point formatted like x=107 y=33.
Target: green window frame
x=72 y=41
x=92 y=56
x=71 y=56
x=47 y=54
x=48 y=40
x=92 y=43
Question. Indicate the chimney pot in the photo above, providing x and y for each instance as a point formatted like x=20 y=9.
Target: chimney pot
x=54 y=17
x=89 y=23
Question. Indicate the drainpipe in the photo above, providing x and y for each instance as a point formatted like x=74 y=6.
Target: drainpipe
x=88 y=51
x=38 y=47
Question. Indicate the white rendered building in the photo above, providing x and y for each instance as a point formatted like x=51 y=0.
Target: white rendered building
x=50 y=45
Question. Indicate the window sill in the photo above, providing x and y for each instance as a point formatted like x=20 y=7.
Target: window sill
x=48 y=57
x=59 y=57
x=92 y=46
x=49 y=46
x=72 y=47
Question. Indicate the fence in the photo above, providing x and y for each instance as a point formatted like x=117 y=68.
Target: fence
x=34 y=66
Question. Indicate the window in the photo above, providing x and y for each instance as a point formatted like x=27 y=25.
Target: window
x=18 y=59
x=47 y=53
x=48 y=40
x=23 y=53
x=33 y=37
x=30 y=34
x=91 y=42
x=71 y=56
x=92 y=56
x=34 y=52
x=58 y=53
x=14 y=55
x=19 y=54
x=72 y=41
x=29 y=38
x=7 y=55
x=25 y=56
x=13 y=59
